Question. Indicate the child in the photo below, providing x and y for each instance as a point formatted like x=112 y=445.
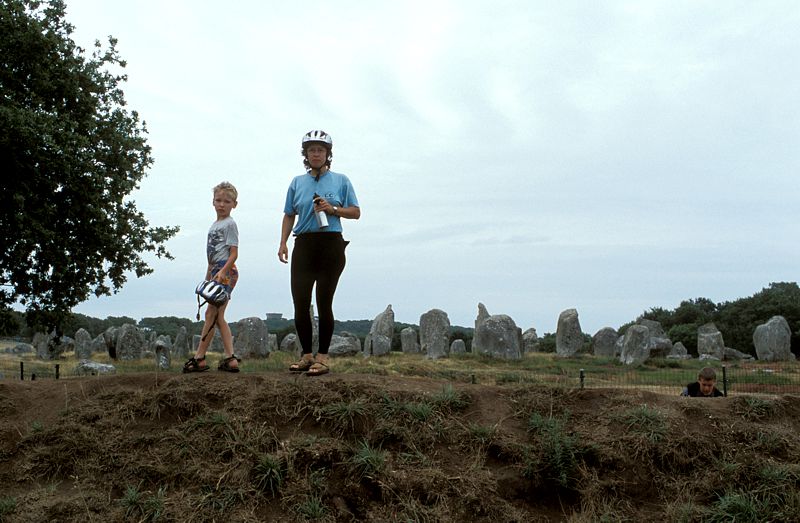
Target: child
x=222 y=250
x=704 y=386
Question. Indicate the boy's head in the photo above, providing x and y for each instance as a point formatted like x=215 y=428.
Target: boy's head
x=227 y=188
x=707 y=378
x=224 y=200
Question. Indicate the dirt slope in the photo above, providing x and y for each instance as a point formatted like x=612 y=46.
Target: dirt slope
x=345 y=447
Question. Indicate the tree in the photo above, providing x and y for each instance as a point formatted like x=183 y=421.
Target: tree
x=71 y=154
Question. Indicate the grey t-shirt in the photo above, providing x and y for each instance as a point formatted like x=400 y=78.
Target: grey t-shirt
x=222 y=235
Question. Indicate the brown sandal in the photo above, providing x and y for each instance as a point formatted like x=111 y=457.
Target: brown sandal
x=225 y=364
x=301 y=366
x=193 y=365
x=318 y=369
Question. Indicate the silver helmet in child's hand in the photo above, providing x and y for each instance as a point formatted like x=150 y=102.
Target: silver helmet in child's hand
x=319 y=137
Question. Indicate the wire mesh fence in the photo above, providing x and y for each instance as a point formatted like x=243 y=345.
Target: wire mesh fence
x=738 y=378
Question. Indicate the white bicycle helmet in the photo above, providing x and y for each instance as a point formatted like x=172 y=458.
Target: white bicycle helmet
x=318 y=136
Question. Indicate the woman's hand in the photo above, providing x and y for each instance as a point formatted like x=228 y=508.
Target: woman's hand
x=321 y=204
x=283 y=253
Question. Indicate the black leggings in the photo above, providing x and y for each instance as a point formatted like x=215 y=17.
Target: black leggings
x=317 y=257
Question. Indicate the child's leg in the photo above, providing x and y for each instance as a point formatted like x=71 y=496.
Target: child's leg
x=208 y=332
x=227 y=336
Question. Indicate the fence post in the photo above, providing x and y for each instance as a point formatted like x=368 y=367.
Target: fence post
x=22 y=371
x=57 y=366
x=583 y=376
x=724 y=381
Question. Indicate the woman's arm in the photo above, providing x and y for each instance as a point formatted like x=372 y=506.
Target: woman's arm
x=286 y=229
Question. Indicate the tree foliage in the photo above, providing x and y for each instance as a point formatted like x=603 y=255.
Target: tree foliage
x=71 y=154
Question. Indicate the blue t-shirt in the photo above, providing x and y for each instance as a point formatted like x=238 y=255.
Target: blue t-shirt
x=334 y=187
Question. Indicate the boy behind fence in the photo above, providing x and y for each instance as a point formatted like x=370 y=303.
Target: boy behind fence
x=704 y=386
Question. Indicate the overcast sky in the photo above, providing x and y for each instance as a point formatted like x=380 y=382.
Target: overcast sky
x=533 y=156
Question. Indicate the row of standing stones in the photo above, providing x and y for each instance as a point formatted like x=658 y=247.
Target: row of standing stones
x=495 y=335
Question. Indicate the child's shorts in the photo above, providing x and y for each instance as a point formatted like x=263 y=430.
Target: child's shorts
x=233 y=276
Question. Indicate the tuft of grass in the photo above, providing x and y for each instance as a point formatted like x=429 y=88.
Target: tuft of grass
x=646 y=421
x=557 y=457
x=311 y=507
x=143 y=506
x=369 y=461
x=754 y=408
x=221 y=499
x=344 y=413
x=482 y=434
x=736 y=506
x=450 y=399
x=420 y=411
x=769 y=442
x=37 y=427
x=8 y=505
x=269 y=473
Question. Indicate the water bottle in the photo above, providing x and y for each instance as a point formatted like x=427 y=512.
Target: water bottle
x=322 y=218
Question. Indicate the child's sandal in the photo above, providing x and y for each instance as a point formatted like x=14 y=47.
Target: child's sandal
x=193 y=365
x=225 y=365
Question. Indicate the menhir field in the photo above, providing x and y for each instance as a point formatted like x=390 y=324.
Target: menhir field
x=353 y=447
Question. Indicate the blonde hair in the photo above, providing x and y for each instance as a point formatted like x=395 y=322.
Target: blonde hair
x=228 y=188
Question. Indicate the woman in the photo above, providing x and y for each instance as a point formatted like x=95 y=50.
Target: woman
x=317 y=201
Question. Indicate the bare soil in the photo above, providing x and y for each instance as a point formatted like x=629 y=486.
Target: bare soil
x=349 y=447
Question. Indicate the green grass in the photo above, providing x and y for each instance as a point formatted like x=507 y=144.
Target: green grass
x=645 y=421
x=311 y=508
x=368 y=461
x=344 y=414
x=143 y=506
x=754 y=408
x=269 y=473
x=556 y=452
x=8 y=505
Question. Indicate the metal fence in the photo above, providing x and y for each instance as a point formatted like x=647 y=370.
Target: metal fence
x=741 y=378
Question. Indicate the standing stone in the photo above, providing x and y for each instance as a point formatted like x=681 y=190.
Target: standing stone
x=110 y=336
x=290 y=344
x=635 y=345
x=48 y=348
x=130 y=343
x=710 y=344
x=98 y=344
x=654 y=327
x=252 y=338
x=434 y=334
x=379 y=340
x=773 y=340
x=735 y=355
x=530 y=341
x=496 y=335
x=273 y=342
x=43 y=343
x=162 y=348
x=344 y=344
x=93 y=368
x=604 y=342
x=83 y=341
x=21 y=348
x=660 y=344
x=569 y=336
x=180 y=348
x=679 y=352
x=458 y=347
x=408 y=341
